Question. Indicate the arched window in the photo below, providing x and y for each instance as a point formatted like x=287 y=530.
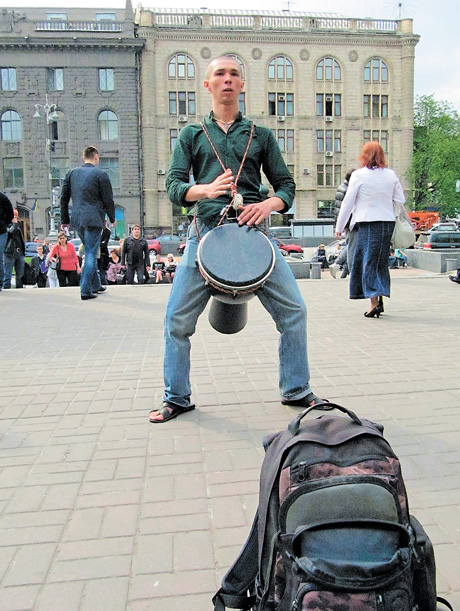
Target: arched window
x=280 y=69
x=108 y=125
x=11 y=126
x=376 y=71
x=328 y=69
x=181 y=66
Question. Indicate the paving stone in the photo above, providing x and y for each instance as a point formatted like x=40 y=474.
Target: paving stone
x=103 y=594
x=60 y=596
x=20 y=598
x=30 y=566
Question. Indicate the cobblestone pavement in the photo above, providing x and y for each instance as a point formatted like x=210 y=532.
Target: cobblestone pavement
x=101 y=511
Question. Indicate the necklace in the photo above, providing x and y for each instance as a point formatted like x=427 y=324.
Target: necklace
x=225 y=124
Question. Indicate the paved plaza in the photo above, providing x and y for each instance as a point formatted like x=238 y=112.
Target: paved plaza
x=99 y=510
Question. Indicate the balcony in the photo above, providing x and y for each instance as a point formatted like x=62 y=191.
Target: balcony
x=78 y=26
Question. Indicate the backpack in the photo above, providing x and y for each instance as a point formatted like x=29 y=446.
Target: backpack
x=332 y=531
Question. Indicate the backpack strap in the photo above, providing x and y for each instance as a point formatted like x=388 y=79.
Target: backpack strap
x=238 y=586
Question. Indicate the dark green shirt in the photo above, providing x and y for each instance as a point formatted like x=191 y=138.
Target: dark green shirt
x=193 y=152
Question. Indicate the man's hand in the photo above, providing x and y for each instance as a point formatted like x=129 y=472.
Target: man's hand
x=220 y=186
x=253 y=214
x=65 y=226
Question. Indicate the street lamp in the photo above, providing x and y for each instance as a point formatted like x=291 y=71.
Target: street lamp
x=51 y=115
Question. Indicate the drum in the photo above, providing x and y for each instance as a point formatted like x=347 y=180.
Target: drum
x=235 y=261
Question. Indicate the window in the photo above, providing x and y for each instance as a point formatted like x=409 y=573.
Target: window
x=326 y=208
x=329 y=140
x=280 y=69
x=106 y=79
x=108 y=125
x=106 y=17
x=182 y=103
x=181 y=66
x=58 y=129
x=328 y=69
x=282 y=139
x=8 y=79
x=377 y=135
x=291 y=168
x=173 y=134
x=54 y=79
x=289 y=140
x=328 y=104
x=375 y=106
x=242 y=103
x=281 y=104
x=328 y=175
x=56 y=16
x=11 y=126
x=13 y=173
x=375 y=71
x=110 y=167
x=59 y=169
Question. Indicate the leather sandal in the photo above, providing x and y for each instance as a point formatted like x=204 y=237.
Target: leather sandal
x=169 y=411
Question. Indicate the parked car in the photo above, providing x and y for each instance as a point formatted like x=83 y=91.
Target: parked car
x=444 y=227
x=31 y=249
x=289 y=248
x=165 y=244
x=438 y=239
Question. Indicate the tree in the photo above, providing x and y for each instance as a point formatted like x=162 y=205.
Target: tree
x=436 y=161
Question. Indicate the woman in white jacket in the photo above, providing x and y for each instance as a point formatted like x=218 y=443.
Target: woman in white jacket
x=373 y=199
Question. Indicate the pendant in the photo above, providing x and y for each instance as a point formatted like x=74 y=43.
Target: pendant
x=237 y=201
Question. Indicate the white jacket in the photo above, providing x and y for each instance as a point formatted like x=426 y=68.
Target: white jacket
x=372 y=195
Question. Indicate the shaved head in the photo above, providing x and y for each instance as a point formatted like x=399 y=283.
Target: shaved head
x=212 y=63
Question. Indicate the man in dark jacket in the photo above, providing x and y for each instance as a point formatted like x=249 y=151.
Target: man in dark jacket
x=38 y=264
x=13 y=255
x=135 y=256
x=6 y=216
x=92 y=198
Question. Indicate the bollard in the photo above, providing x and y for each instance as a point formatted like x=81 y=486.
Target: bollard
x=451 y=265
x=315 y=271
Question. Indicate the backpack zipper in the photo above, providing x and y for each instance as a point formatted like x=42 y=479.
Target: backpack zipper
x=379 y=602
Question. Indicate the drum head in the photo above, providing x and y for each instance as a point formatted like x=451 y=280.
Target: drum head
x=236 y=257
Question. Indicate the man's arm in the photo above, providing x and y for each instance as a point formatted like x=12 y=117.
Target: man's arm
x=123 y=252
x=107 y=196
x=65 y=198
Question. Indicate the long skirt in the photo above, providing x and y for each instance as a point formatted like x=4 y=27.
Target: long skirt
x=368 y=256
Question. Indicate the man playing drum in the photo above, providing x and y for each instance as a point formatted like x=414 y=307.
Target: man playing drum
x=226 y=139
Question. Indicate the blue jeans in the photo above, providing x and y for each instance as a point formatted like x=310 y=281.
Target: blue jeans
x=16 y=261
x=3 y=237
x=90 y=281
x=189 y=295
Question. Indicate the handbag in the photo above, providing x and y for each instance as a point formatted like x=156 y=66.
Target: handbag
x=403 y=234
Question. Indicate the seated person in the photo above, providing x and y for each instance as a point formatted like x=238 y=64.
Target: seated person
x=114 y=266
x=401 y=257
x=158 y=268
x=170 y=268
x=320 y=256
x=392 y=261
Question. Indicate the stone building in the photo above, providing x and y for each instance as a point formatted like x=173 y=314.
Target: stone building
x=82 y=66
x=324 y=84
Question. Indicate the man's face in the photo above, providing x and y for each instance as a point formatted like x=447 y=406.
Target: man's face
x=223 y=80
x=136 y=232
x=40 y=251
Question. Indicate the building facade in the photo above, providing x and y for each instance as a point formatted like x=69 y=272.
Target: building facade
x=68 y=78
x=323 y=83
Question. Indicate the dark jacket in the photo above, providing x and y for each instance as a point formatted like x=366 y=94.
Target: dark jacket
x=92 y=197
x=6 y=212
x=128 y=249
x=14 y=241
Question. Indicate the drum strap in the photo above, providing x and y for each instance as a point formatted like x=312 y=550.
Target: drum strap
x=237 y=200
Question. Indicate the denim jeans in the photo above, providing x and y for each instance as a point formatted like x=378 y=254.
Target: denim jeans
x=3 y=237
x=132 y=270
x=189 y=295
x=90 y=281
x=16 y=261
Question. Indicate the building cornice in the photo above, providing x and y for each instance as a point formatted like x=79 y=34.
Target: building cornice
x=79 y=44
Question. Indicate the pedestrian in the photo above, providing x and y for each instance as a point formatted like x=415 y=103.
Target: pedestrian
x=341 y=191
x=64 y=255
x=373 y=199
x=340 y=263
x=6 y=216
x=13 y=255
x=230 y=135
x=40 y=267
x=92 y=197
x=135 y=256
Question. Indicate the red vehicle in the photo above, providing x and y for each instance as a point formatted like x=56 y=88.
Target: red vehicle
x=422 y=221
x=289 y=248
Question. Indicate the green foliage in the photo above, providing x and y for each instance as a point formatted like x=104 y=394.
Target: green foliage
x=436 y=159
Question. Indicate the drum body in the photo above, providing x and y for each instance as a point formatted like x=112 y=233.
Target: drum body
x=235 y=261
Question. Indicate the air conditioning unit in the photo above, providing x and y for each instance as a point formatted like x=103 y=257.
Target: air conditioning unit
x=328 y=98
x=182 y=119
x=281 y=118
x=161 y=172
x=306 y=171
x=329 y=154
x=281 y=98
x=329 y=119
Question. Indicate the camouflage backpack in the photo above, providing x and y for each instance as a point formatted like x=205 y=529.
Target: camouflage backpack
x=332 y=531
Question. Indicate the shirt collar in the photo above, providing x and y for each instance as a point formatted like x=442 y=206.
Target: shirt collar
x=211 y=118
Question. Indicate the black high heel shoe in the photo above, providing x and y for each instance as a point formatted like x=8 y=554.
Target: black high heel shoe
x=381 y=305
x=376 y=311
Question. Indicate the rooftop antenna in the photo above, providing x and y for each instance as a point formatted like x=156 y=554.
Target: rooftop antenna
x=288 y=4
x=399 y=10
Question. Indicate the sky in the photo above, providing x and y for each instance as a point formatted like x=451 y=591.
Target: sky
x=437 y=55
